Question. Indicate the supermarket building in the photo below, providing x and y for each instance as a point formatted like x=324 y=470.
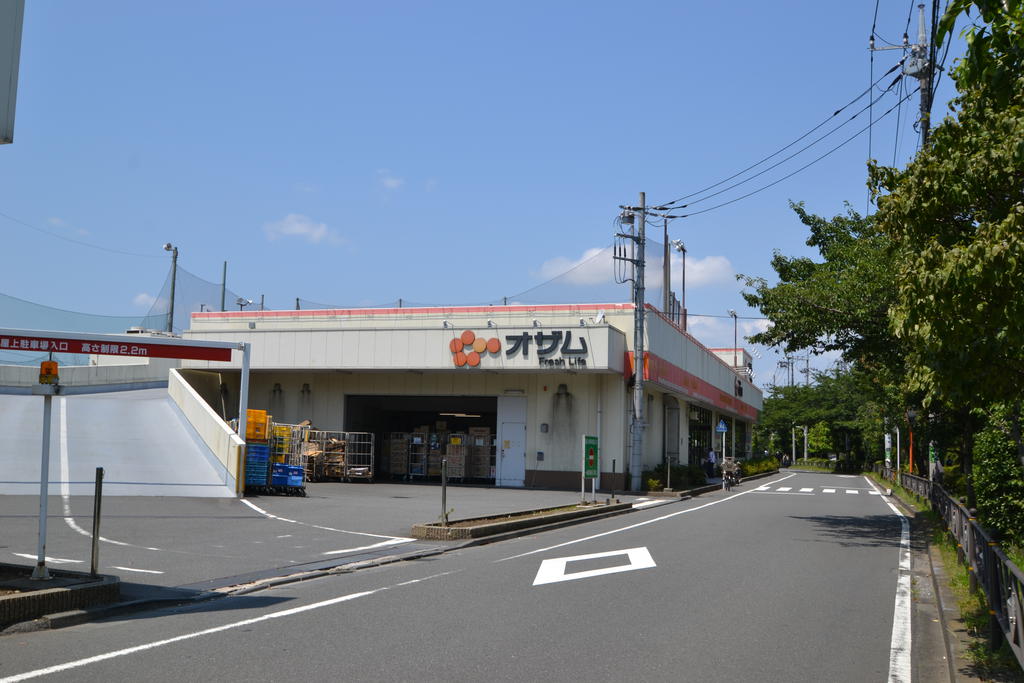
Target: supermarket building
x=538 y=378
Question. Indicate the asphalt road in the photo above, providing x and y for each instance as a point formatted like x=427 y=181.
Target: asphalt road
x=762 y=584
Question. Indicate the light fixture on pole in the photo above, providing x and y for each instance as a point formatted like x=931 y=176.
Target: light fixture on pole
x=735 y=361
x=174 y=274
x=681 y=248
x=242 y=303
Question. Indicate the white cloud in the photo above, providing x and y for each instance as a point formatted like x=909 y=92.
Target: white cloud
x=388 y=180
x=56 y=222
x=298 y=225
x=586 y=270
x=709 y=271
x=144 y=300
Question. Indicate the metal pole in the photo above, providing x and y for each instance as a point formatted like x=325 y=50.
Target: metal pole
x=97 y=505
x=637 y=445
x=682 y=292
x=666 y=272
x=243 y=403
x=444 y=492
x=223 y=285
x=805 y=442
x=40 y=572
x=174 y=276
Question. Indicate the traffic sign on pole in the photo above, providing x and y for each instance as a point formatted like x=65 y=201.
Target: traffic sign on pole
x=721 y=428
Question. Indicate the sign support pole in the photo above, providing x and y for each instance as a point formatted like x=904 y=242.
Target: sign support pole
x=40 y=573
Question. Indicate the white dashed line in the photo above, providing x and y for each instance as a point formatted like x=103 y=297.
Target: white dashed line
x=828 y=490
x=853 y=491
x=133 y=569
x=50 y=560
x=783 y=489
x=805 y=490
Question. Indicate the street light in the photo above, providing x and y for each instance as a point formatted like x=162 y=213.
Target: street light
x=242 y=302
x=735 y=362
x=681 y=248
x=174 y=274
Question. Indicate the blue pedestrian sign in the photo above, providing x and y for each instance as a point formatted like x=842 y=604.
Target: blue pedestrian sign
x=721 y=428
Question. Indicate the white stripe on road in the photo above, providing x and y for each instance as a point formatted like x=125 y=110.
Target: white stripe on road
x=133 y=569
x=633 y=526
x=382 y=544
x=805 y=490
x=853 y=491
x=900 y=644
x=269 y=515
x=828 y=490
x=784 y=488
x=197 y=634
x=50 y=560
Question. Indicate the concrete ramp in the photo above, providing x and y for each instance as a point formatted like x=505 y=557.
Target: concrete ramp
x=140 y=439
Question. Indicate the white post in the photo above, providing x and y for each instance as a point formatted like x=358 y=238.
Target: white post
x=243 y=393
x=48 y=390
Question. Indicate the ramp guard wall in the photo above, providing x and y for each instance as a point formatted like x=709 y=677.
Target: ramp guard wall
x=222 y=441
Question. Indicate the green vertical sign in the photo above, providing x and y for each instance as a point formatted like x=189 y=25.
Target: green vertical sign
x=591 y=457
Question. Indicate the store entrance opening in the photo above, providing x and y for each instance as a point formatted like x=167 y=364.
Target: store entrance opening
x=415 y=433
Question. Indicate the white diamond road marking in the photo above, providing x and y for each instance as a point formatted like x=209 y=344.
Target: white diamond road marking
x=553 y=571
x=805 y=490
x=828 y=490
x=853 y=491
x=784 y=488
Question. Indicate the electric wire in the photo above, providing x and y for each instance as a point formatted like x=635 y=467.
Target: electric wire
x=783 y=149
x=802 y=168
x=74 y=241
x=794 y=154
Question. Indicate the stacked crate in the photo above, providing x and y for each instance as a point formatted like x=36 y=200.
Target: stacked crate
x=480 y=464
x=257 y=449
x=280 y=445
x=456 y=455
x=435 y=451
x=398 y=445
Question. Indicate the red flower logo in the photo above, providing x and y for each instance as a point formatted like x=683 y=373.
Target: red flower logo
x=467 y=348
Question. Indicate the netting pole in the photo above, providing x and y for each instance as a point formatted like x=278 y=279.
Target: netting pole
x=223 y=285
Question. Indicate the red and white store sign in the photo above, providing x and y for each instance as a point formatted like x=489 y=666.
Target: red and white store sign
x=115 y=347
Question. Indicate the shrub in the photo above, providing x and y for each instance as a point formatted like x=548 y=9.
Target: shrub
x=758 y=465
x=683 y=476
x=998 y=484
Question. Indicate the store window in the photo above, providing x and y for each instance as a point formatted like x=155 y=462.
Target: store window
x=700 y=434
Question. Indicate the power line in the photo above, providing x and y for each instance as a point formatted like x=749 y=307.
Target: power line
x=74 y=241
x=805 y=166
x=783 y=149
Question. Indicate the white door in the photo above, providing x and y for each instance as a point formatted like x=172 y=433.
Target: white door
x=511 y=465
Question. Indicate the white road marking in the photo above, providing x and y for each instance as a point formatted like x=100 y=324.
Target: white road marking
x=853 y=491
x=76 y=664
x=647 y=503
x=828 y=490
x=762 y=488
x=875 y=493
x=900 y=644
x=631 y=526
x=805 y=490
x=784 y=493
x=50 y=560
x=784 y=488
x=65 y=481
x=553 y=571
x=134 y=569
x=382 y=544
x=269 y=515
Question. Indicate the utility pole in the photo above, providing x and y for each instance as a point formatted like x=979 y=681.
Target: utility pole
x=921 y=66
x=638 y=216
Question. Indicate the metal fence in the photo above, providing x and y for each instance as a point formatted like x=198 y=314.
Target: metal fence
x=989 y=567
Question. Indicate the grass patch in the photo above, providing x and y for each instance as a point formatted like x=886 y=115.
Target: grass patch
x=521 y=515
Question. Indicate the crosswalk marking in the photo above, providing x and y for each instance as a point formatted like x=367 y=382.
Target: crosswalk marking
x=784 y=488
x=828 y=490
x=805 y=490
x=853 y=491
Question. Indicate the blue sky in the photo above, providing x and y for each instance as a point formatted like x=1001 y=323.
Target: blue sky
x=447 y=152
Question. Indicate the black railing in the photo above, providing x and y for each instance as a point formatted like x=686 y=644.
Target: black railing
x=988 y=566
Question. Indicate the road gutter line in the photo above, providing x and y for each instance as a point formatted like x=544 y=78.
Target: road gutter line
x=634 y=526
x=900 y=644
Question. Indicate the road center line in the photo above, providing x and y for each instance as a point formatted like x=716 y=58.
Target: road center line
x=635 y=526
x=900 y=644
x=205 y=632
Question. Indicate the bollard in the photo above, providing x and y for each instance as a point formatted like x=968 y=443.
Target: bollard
x=97 y=504
x=444 y=492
